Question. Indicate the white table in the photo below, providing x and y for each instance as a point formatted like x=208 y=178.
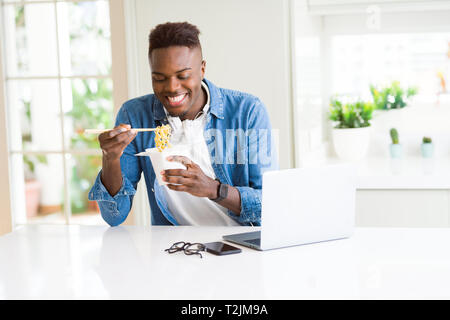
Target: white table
x=96 y=262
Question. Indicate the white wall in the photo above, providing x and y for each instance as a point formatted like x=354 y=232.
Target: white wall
x=246 y=45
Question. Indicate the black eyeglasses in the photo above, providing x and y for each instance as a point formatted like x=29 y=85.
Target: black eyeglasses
x=187 y=247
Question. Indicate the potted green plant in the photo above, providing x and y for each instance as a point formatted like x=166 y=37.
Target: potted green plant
x=351 y=130
x=427 y=147
x=32 y=185
x=395 y=148
x=392 y=96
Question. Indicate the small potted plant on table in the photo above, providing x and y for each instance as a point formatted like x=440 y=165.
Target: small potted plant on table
x=427 y=147
x=395 y=148
x=33 y=186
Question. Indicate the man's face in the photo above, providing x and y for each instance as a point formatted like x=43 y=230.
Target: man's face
x=177 y=73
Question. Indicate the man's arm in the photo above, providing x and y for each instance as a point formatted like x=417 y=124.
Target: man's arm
x=232 y=201
x=116 y=183
x=262 y=156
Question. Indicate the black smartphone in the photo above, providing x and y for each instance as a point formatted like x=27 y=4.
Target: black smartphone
x=220 y=248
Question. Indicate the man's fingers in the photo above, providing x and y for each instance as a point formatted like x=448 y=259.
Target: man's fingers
x=182 y=159
x=118 y=144
x=177 y=172
x=123 y=138
x=111 y=134
x=177 y=187
x=118 y=130
x=114 y=132
x=177 y=180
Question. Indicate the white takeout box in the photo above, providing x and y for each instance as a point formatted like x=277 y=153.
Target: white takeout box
x=160 y=162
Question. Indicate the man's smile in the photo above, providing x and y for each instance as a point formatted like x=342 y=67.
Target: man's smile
x=176 y=100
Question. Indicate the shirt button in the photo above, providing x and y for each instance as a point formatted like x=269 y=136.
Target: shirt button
x=153 y=190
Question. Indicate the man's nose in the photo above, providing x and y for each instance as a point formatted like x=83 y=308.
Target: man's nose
x=173 y=85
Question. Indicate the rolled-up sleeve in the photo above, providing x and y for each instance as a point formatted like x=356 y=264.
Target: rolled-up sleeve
x=115 y=209
x=250 y=205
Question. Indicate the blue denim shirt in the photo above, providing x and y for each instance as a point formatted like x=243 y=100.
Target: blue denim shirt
x=240 y=141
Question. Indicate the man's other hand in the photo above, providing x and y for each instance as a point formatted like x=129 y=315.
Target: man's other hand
x=192 y=180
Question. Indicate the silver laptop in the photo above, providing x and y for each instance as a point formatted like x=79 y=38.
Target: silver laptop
x=304 y=205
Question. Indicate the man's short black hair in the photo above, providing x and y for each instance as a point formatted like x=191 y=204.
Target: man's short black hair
x=173 y=34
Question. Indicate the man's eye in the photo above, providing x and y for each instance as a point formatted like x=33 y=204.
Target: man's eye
x=183 y=76
x=158 y=79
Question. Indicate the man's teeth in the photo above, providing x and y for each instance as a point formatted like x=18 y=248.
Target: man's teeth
x=177 y=98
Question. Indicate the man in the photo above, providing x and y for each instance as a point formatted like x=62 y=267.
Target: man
x=227 y=134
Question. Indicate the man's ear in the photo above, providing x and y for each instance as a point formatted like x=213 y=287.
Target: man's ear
x=203 y=68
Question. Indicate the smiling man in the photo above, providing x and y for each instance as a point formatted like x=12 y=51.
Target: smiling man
x=226 y=133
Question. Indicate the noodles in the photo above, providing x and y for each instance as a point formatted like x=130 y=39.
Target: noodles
x=162 y=136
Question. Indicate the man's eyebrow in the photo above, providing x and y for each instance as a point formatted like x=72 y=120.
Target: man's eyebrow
x=155 y=72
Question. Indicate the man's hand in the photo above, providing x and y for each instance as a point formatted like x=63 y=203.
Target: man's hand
x=192 y=180
x=115 y=141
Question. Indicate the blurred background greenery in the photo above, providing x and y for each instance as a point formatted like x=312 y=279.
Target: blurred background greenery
x=86 y=93
x=91 y=109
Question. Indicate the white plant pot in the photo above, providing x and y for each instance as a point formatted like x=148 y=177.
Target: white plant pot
x=351 y=144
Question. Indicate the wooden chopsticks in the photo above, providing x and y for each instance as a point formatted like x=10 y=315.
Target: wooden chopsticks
x=98 y=131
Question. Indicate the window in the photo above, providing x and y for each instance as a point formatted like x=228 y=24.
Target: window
x=413 y=59
x=418 y=59
x=58 y=82
x=343 y=49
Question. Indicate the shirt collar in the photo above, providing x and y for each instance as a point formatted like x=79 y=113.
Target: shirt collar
x=208 y=99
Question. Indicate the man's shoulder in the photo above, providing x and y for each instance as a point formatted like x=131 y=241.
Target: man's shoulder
x=237 y=95
x=232 y=98
x=241 y=104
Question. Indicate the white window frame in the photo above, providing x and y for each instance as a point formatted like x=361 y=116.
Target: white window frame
x=120 y=94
